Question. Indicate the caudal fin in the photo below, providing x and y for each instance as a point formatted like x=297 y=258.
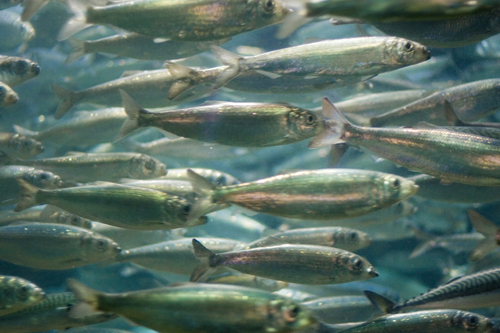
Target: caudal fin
x=334 y=123
x=186 y=79
x=88 y=300
x=28 y=195
x=31 y=7
x=429 y=243
x=133 y=111
x=69 y=99
x=380 y=302
x=204 y=204
x=489 y=230
x=203 y=270
x=78 y=50
x=76 y=23
x=228 y=59
x=451 y=116
x=24 y=131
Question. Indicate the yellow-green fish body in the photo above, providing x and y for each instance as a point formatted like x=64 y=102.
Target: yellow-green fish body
x=17 y=293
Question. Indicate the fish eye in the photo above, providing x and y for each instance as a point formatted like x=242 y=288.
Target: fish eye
x=2 y=90
x=23 y=291
x=291 y=314
x=407 y=46
x=27 y=144
x=21 y=66
x=356 y=263
x=472 y=321
x=150 y=165
x=44 y=176
x=353 y=235
x=186 y=209
x=268 y=5
x=102 y=244
x=221 y=180
x=310 y=119
x=395 y=183
x=75 y=219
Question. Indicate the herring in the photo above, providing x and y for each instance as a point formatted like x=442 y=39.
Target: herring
x=20 y=146
x=17 y=293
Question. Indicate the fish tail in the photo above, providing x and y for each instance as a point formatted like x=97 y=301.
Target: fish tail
x=184 y=75
x=76 y=23
x=69 y=98
x=203 y=270
x=28 y=195
x=133 y=111
x=24 y=131
x=133 y=145
x=88 y=300
x=228 y=59
x=380 y=302
x=78 y=50
x=334 y=123
x=451 y=116
x=428 y=244
x=490 y=232
x=205 y=190
x=31 y=7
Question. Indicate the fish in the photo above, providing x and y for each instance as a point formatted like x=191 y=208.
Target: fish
x=16 y=70
x=83 y=167
x=310 y=194
x=139 y=47
x=148 y=87
x=216 y=177
x=16 y=33
x=304 y=264
x=231 y=124
x=20 y=146
x=114 y=204
x=17 y=293
x=52 y=313
x=53 y=246
x=431 y=321
x=7 y=95
x=86 y=129
x=338 y=237
x=363 y=56
x=341 y=309
x=179 y=20
x=478 y=290
x=448 y=155
x=45 y=213
x=174 y=256
x=4 y=4
x=221 y=308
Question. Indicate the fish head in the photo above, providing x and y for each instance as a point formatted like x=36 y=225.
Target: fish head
x=284 y=315
x=23 y=292
x=25 y=146
x=395 y=188
x=7 y=95
x=404 y=208
x=144 y=167
x=468 y=321
x=98 y=247
x=24 y=67
x=355 y=239
x=304 y=123
x=177 y=210
x=404 y=52
x=42 y=179
x=359 y=268
x=271 y=11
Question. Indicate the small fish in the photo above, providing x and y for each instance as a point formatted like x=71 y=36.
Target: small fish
x=199 y=20
x=247 y=280
x=431 y=321
x=304 y=264
x=16 y=70
x=84 y=130
x=118 y=205
x=339 y=58
x=478 y=290
x=174 y=256
x=139 y=47
x=15 y=33
x=7 y=95
x=47 y=213
x=217 y=308
x=82 y=167
x=53 y=246
x=50 y=314
x=448 y=155
x=312 y=194
x=20 y=146
x=17 y=294
x=231 y=124
x=338 y=237
x=341 y=309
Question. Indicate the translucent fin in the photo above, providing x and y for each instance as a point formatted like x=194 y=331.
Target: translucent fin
x=334 y=123
x=31 y=7
x=292 y=22
x=77 y=23
x=23 y=131
x=228 y=59
x=451 y=116
x=489 y=230
x=133 y=111
x=178 y=88
x=88 y=300
x=380 y=302
x=69 y=99
x=178 y=71
x=204 y=189
x=28 y=195
x=203 y=270
x=78 y=50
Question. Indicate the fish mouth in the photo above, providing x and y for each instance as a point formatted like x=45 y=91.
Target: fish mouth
x=428 y=54
x=372 y=272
